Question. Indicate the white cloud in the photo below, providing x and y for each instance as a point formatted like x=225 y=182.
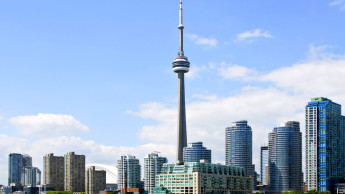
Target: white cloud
x=339 y=3
x=1 y=118
x=237 y=72
x=195 y=71
x=47 y=124
x=210 y=42
x=250 y=34
x=95 y=153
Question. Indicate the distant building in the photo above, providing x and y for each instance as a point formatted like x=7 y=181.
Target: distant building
x=263 y=163
x=131 y=165
x=31 y=176
x=196 y=152
x=325 y=144
x=153 y=164
x=53 y=170
x=202 y=178
x=95 y=180
x=285 y=158
x=74 y=172
x=238 y=147
x=16 y=167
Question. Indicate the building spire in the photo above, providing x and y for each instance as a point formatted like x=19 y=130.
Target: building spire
x=180 y=27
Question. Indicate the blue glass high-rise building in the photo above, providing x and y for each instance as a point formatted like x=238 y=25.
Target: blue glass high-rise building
x=196 y=152
x=16 y=167
x=285 y=158
x=238 y=147
x=324 y=144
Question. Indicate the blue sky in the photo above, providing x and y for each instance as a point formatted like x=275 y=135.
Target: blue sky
x=96 y=77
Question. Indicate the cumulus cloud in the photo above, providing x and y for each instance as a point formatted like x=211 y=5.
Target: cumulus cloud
x=48 y=124
x=250 y=34
x=209 y=42
x=237 y=72
x=95 y=153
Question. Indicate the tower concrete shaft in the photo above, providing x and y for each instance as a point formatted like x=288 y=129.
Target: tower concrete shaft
x=181 y=66
x=182 y=127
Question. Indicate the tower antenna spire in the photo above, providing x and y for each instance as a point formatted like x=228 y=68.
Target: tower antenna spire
x=180 y=27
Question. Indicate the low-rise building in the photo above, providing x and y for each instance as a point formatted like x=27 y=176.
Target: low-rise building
x=202 y=178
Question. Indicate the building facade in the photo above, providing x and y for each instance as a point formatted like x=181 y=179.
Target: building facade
x=131 y=165
x=202 y=178
x=285 y=158
x=153 y=164
x=324 y=144
x=95 y=180
x=238 y=147
x=196 y=152
x=53 y=170
x=74 y=167
x=263 y=163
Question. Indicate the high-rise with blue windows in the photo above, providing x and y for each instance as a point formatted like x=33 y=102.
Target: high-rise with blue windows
x=238 y=147
x=196 y=152
x=285 y=158
x=324 y=144
x=16 y=167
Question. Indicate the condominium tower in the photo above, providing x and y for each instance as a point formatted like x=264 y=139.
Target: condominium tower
x=263 y=163
x=152 y=166
x=238 y=147
x=196 y=153
x=95 y=180
x=53 y=171
x=131 y=165
x=324 y=144
x=285 y=158
x=74 y=172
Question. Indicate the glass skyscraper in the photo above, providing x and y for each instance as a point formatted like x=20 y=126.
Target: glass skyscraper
x=17 y=163
x=285 y=158
x=324 y=144
x=153 y=164
x=196 y=152
x=238 y=147
x=263 y=163
x=131 y=165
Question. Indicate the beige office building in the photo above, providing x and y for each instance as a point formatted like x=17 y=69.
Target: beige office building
x=74 y=172
x=53 y=171
x=95 y=180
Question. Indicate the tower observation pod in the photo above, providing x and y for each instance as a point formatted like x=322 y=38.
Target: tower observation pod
x=181 y=66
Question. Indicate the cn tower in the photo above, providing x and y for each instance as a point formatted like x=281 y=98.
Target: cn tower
x=181 y=66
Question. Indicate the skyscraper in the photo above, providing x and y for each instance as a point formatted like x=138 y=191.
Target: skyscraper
x=95 y=180
x=324 y=144
x=53 y=170
x=263 y=163
x=196 y=152
x=181 y=66
x=152 y=166
x=238 y=147
x=74 y=172
x=131 y=165
x=31 y=176
x=16 y=167
x=285 y=158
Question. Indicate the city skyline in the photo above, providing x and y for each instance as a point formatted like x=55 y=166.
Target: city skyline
x=71 y=84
